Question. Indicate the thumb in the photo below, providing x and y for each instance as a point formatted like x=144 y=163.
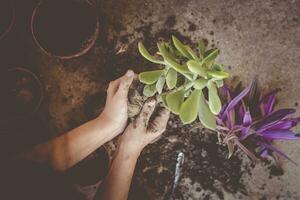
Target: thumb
x=125 y=83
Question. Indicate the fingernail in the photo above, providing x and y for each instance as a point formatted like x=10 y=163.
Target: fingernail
x=129 y=73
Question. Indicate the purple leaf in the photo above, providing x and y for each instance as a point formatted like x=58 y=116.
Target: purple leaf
x=264 y=153
x=280 y=135
x=268 y=102
x=236 y=100
x=274 y=117
x=279 y=152
x=247 y=120
x=282 y=125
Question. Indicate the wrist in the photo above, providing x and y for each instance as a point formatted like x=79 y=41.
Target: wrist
x=127 y=153
x=106 y=126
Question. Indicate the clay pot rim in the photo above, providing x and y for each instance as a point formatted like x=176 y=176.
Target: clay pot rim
x=80 y=52
x=37 y=80
x=12 y=21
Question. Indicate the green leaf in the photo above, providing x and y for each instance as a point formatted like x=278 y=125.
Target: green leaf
x=218 y=74
x=201 y=47
x=174 y=100
x=149 y=90
x=191 y=52
x=147 y=55
x=189 y=108
x=196 y=68
x=180 y=47
x=171 y=78
x=160 y=84
x=206 y=117
x=210 y=57
x=150 y=77
x=214 y=101
x=200 y=83
x=217 y=67
x=219 y=83
x=171 y=62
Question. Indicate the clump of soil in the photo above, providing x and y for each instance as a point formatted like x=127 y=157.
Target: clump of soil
x=6 y=16
x=65 y=28
x=22 y=93
x=91 y=170
x=206 y=162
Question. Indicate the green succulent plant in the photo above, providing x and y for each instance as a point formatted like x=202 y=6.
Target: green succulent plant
x=181 y=82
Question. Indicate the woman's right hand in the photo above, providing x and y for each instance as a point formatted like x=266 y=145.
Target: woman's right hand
x=143 y=131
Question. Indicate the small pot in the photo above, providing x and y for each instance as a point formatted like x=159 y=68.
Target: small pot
x=7 y=17
x=22 y=93
x=65 y=29
x=88 y=174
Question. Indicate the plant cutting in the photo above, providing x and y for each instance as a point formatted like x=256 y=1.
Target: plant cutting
x=187 y=82
x=65 y=29
x=7 y=17
x=249 y=117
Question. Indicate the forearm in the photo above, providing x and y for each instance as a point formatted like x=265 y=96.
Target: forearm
x=68 y=149
x=117 y=183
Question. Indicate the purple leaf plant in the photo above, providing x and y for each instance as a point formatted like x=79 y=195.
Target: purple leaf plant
x=247 y=117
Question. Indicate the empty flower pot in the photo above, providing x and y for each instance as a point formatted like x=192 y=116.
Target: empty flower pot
x=7 y=17
x=22 y=93
x=65 y=29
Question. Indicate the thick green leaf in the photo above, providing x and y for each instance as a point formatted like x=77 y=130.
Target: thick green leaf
x=147 y=55
x=210 y=57
x=206 y=117
x=149 y=90
x=219 y=83
x=174 y=100
x=171 y=78
x=180 y=47
x=189 y=108
x=150 y=77
x=201 y=47
x=218 y=74
x=171 y=62
x=214 y=101
x=217 y=67
x=191 y=52
x=200 y=83
x=196 y=68
x=160 y=84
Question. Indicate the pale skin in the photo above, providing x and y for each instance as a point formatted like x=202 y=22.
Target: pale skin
x=68 y=149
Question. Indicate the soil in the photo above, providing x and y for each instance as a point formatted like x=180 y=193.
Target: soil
x=21 y=92
x=6 y=16
x=91 y=170
x=65 y=28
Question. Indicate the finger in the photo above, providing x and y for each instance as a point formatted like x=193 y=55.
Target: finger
x=146 y=113
x=158 y=124
x=125 y=83
x=113 y=88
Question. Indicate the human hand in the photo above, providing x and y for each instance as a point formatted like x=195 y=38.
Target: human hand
x=143 y=131
x=115 y=112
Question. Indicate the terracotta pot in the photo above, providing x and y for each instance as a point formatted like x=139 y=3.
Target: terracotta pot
x=22 y=93
x=88 y=174
x=65 y=29
x=7 y=17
